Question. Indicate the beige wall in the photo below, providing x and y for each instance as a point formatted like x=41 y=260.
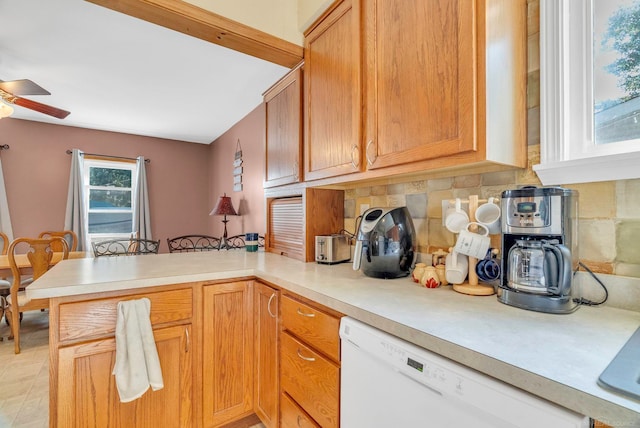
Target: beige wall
x=609 y=212
x=36 y=173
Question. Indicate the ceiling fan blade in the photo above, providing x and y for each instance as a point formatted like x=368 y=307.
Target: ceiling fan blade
x=42 y=108
x=23 y=87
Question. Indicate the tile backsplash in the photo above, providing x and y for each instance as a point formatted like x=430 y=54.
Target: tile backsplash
x=608 y=212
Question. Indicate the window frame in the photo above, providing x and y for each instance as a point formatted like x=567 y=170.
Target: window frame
x=567 y=152
x=90 y=162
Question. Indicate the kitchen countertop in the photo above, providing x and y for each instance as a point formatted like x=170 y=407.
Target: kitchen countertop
x=557 y=357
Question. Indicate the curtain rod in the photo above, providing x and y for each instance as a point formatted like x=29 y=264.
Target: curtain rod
x=4 y=147
x=107 y=156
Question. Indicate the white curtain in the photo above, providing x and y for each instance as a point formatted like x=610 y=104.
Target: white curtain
x=141 y=214
x=76 y=217
x=5 y=218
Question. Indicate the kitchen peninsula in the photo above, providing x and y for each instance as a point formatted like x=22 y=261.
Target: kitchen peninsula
x=556 y=357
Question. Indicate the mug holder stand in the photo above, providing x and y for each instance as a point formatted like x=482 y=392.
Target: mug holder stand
x=472 y=286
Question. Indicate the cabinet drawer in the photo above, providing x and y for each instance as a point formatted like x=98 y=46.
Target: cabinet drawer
x=312 y=380
x=97 y=318
x=293 y=416
x=315 y=327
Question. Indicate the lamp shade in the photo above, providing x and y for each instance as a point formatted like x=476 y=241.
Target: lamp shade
x=224 y=206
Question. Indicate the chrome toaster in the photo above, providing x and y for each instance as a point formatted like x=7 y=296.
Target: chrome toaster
x=332 y=249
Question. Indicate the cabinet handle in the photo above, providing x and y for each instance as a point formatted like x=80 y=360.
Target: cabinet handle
x=311 y=315
x=296 y=168
x=369 y=161
x=354 y=149
x=299 y=421
x=305 y=358
x=269 y=306
x=187 y=342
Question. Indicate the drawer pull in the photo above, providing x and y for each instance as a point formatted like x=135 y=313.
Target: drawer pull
x=311 y=359
x=299 y=421
x=187 y=342
x=269 y=306
x=310 y=315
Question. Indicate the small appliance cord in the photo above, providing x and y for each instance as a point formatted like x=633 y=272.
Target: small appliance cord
x=587 y=302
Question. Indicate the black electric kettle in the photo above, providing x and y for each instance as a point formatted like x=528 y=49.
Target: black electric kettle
x=385 y=245
x=540 y=267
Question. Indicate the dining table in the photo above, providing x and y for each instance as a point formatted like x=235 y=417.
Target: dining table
x=23 y=262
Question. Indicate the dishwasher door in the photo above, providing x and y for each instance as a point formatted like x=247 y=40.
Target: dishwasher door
x=387 y=382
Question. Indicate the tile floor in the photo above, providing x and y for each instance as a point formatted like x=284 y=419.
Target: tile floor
x=24 y=378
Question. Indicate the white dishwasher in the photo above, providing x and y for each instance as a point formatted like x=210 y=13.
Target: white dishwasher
x=387 y=382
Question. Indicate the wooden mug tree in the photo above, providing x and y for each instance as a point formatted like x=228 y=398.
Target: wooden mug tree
x=472 y=286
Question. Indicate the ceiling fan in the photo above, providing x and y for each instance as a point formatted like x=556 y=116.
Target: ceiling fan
x=11 y=92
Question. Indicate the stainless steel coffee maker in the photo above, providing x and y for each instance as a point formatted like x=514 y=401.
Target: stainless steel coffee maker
x=539 y=249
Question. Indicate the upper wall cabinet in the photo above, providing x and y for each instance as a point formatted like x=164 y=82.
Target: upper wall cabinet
x=283 y=106
x=333 y=94
x=444 y=88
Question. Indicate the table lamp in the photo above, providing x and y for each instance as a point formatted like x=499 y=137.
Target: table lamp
x=224 y=207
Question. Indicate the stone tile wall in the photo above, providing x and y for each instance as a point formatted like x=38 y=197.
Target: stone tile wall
x=609 y=212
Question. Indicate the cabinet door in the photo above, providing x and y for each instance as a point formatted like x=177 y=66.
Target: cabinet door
x=88 y=389
x=283 y=105
x=420 y=68
x=266 y=343
x=333 y=94
x=227 y=374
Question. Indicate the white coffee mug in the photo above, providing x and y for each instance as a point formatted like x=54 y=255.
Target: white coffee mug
x=456 y=268
x=489 y=215
x=456 y=218
x=473 y=244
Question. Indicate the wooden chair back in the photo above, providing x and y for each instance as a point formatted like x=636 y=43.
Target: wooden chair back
x=68 y=235
x=39 y=254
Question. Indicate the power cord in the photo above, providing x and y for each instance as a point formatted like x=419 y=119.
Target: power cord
x=587 y=302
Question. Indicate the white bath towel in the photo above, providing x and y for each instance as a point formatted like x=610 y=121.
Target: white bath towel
x=137 y=364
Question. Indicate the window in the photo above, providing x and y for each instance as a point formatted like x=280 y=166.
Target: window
x=109 y=194
x=590 y=129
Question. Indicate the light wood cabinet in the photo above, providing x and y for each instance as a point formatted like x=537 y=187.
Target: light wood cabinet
x=283 y=154
x=444 y=90
x=82 y=355
x=88 y=389
x=267 y=385
x=227 y=346
x=333 y=94
x=310 y=364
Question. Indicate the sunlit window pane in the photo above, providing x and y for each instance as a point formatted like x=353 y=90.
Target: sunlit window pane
x=109 y=177
x=616 y=76
x=109 y=199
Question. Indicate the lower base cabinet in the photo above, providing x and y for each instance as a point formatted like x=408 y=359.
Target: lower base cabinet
x=227 y=347
x=266 y=403
x=309 y=364
x=88 y=388
x=82 y=352
x=292 y=415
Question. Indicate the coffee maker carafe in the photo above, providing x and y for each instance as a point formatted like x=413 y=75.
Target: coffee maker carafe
x=539 y=249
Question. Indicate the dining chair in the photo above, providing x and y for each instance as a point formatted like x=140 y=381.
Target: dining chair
x=39 y=253
x=68 y=235
x=125 y=247
x=191 y=243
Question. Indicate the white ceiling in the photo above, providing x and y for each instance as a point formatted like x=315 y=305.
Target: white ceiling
x=118 y=73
